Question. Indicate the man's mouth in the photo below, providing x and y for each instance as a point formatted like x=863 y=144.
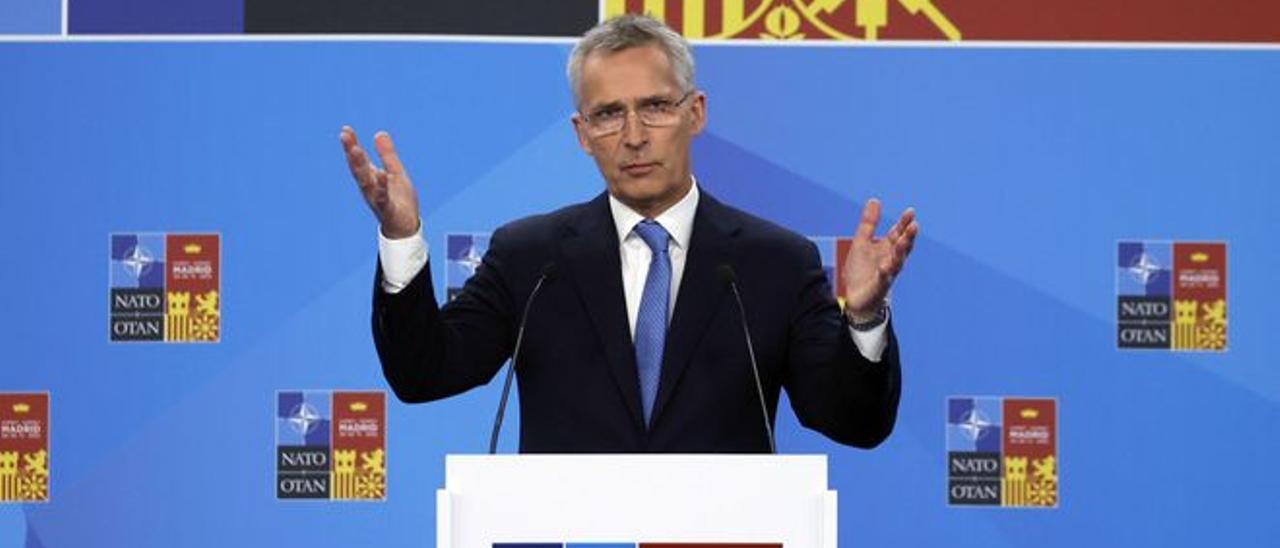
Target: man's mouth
x=637 y=169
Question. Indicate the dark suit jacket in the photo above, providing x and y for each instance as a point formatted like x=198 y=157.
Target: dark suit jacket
x=579 y=391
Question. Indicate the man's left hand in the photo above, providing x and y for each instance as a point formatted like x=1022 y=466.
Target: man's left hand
x=873 y=263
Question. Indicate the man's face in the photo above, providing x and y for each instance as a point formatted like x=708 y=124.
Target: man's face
x=646 y=168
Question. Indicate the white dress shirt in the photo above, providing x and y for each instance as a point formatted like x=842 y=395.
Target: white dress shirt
x=402 y=260
x=636 y=255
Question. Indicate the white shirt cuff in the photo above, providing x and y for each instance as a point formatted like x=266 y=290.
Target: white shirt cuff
x=871 y=343
x=401 y=259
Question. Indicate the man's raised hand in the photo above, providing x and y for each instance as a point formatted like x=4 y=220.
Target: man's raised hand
x=873 y=262
x=387 y=190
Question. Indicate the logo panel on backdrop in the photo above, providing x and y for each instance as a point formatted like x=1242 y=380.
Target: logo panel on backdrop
x=24 y=447
x=331 y=445
x=165 y=288
x=1002 y=451
x=1171 y=295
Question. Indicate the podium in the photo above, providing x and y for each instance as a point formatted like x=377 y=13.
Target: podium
x=497 y=501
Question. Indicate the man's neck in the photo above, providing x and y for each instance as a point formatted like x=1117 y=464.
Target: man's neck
x=677 y=219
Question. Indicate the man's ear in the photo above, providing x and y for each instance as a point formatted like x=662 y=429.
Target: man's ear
x=698 y=112
x=580 y=129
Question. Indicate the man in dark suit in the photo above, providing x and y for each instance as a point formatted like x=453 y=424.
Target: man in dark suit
x=634 y=342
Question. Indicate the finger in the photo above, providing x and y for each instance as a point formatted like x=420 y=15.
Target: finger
x=900 y=252
x=909 y=236
x=387 y=153
x=903 y=222
x=361 y=168
x=379 y=195
x=357 y=160
x=870 y=217
x=908 y=215
x=911 y=232
x=902 y=249
x=348 y=139
x=891 y=267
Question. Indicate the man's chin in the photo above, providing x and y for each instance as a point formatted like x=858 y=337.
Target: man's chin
x=637 y=187
x=642 y=195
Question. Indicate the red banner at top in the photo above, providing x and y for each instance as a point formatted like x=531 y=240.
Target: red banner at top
x=997 y=20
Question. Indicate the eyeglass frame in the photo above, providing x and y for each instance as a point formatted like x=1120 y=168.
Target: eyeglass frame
x=675 y=106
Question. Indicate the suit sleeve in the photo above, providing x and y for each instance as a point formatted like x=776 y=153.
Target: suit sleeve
x=834 y=389
x=428 y=352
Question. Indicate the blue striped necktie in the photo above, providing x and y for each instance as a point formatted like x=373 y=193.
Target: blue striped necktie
x=651 y=321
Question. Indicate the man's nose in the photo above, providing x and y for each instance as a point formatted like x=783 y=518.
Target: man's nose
x=634 y=133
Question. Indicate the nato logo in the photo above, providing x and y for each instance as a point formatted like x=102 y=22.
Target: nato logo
x=464 y=253
x=331 y=444
x=302 y=445
x=1144 y=269
x=1144 y=274
x=137 y=274
x=973 y=450
x=165 y=287
x=1171 y=295
x=1002 y=451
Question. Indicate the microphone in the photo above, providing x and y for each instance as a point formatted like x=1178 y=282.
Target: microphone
x=548 y=274
x=731 y=280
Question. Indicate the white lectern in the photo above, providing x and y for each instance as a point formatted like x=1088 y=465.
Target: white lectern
x=635 y=500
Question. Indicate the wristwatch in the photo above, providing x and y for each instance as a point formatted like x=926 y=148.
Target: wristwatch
x=881 y=316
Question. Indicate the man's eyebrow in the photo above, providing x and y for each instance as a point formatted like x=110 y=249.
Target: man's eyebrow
x=609 y=105
x=656 y=98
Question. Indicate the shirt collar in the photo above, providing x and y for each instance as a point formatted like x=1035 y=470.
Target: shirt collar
x=677 y=219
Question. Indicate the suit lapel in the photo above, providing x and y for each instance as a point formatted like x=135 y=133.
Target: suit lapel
x=699 y=296
x=590 y=249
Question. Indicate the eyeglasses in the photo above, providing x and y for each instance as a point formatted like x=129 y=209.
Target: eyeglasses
x=655 y=112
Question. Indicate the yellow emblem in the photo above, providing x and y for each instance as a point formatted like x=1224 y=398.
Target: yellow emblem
x=187 y=323
x=1037 y=487
x=25 y=478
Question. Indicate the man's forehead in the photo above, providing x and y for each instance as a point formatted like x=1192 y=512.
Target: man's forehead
x=627 y=75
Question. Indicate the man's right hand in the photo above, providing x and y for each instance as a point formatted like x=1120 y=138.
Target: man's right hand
x=388 y=191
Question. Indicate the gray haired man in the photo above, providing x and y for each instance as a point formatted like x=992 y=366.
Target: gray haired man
x=634 y=343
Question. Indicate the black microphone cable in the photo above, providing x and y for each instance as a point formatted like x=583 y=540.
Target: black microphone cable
x=548 y=272
x=730 y=279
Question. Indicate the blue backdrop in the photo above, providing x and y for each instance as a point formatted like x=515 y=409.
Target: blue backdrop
x=1026 y=167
